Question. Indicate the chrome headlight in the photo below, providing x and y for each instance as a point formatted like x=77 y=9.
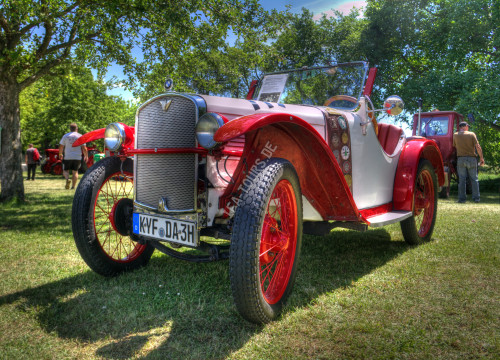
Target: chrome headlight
x=114 y=136
x=207 y=126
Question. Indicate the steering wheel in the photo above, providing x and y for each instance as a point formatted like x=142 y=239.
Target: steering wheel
x=371 y=114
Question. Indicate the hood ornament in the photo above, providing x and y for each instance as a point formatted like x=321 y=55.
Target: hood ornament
x=169 y=84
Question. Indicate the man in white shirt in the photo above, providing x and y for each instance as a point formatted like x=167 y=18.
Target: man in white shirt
x=71 y=156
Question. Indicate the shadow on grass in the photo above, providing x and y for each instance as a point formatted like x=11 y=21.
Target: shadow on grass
x=49 y=213
x=174 y=309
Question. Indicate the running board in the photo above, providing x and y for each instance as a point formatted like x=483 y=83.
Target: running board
x=390 y=217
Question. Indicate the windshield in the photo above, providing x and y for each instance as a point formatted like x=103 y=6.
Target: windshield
x=338 y=86
x=434 y=126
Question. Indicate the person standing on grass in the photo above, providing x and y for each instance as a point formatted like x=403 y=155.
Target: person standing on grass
x=466 y=143
x=71 y=156
x=31 y=159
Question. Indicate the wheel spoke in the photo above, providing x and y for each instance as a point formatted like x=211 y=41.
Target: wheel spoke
x=118 y=247
x=278 y=242
x=424 y=203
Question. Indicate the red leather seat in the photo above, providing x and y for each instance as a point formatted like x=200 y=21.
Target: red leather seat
x=388 y=136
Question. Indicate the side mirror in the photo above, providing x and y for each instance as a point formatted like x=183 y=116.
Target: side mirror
x=394 y=105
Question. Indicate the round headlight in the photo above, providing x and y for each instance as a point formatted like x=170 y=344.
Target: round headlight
x=207 y=126
x=114 y=136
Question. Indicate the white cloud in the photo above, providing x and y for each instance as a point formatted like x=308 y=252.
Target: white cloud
x=344 y=8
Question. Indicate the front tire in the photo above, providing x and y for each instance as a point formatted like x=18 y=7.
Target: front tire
x=100 y=235
x=418 y=228
x=266 y=241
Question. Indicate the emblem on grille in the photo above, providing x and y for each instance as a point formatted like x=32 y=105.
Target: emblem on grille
x=162 y=205
x=169 y=84
x=165 y=104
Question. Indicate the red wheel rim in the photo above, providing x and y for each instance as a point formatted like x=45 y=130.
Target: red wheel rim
x=117 y=247
x=278 y=242
x=424 y=203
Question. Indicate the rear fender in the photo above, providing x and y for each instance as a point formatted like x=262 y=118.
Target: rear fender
x=404 y=183
x=289 y=137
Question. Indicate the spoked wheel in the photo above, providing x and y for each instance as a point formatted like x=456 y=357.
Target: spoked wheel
x=418 y=228
x=266 y=240
x=102 y=216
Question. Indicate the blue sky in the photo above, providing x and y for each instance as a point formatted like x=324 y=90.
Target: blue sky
x=315 y=6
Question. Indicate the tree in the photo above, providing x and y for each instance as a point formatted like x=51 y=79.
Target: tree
x=226 y=72
x=444 y=51
x=38 y=37
x=51 y=104
x=304 y=41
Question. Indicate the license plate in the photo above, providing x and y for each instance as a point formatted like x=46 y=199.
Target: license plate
x=166 y=229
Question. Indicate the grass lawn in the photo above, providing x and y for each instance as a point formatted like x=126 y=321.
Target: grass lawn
x=357 y=296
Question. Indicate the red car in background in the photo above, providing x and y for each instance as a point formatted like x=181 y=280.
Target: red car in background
x=439 y=126
x=53 y=165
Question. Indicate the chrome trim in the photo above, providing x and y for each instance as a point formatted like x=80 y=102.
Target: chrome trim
x=146 y=209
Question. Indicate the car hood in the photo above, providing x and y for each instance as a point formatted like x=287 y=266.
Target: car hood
x=234 y=108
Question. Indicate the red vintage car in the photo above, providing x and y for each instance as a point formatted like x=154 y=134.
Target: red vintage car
x=440 y=126
x=53 y=165
x=203 y=178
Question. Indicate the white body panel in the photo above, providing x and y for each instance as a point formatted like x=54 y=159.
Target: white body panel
x=233 y=108
x=373 y=171
x=309 y=213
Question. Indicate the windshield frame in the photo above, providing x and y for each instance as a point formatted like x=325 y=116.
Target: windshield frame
x=362 y=64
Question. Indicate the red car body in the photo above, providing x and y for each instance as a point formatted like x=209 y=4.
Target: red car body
x=439 y=126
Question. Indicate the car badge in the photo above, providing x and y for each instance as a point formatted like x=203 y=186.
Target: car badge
x=169 y=84
x=165 y=104
x=162 y=205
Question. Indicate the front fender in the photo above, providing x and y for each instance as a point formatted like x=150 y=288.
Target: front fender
x=404 y=183
x=89 y=137
x=99 y=134
x=289 y=137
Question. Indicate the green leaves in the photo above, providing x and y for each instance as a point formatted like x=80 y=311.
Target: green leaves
x=444 y=51
x=50 y=105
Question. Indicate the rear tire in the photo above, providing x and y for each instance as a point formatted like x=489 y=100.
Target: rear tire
x=266 y=241
x=101 y=240
x=418 y=228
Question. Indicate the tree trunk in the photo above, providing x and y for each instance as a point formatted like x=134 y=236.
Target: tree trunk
x=11 y=173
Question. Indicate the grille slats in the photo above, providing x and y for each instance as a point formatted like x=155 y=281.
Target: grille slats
x=173 y=128
x=169 y=176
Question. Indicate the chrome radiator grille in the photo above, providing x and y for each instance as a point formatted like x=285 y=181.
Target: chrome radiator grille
x=166 y=176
